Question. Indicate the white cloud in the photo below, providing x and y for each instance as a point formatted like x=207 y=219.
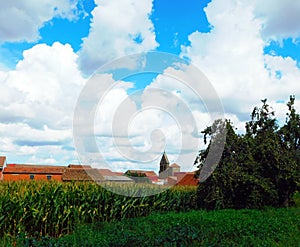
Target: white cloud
x=118 y=28
x=232 y=57
x=37 y=102
x=281 y=18
x=21 y=20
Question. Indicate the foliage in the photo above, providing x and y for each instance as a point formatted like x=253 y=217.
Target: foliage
x=271 y=227
x=42 y=209
x=135 y=174
x=138 y=177
x=258 y=169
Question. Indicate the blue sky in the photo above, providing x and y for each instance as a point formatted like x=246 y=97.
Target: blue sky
x=172 y=26
x=49 y=50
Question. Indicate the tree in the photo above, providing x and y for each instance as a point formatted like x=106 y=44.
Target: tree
x=226 y=186
x=260 y=168
x=290 y=141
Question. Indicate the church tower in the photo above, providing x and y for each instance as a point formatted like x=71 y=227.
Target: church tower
x=164 y=163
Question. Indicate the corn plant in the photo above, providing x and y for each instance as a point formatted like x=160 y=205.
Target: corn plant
x=39 y=208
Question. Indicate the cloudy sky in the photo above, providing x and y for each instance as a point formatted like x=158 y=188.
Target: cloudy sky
x=51 y=50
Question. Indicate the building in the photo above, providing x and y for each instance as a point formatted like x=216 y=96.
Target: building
x=14 y=172
x=168 y=174
x=83 y=173
x=2 y=164
x=174 y=168
x=141 y=176
x=163 y=166
x=118 y=179
x=188 y=180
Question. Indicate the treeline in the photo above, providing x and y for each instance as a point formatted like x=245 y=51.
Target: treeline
x=257 y=169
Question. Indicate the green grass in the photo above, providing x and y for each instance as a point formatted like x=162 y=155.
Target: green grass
x=269 y=227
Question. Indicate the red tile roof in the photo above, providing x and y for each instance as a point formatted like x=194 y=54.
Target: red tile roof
x=119 y=173
x=180 y=175
x=79 y=166
x=175 y=165
x=76 y=174
x=150 y=174
x=172 y=180
x=33 y=166
x=107 y=172
x=153 y=178
x=188 y=179
x=26 y=169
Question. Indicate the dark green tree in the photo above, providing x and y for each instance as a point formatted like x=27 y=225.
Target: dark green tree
x=257 y=169
x=289 y=180
x=227 y=186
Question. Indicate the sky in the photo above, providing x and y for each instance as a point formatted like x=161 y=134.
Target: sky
x=72 y=90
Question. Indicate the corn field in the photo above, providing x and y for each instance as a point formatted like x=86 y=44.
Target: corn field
x=54 y=209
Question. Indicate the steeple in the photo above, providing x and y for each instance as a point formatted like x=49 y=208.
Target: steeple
x=164 y=163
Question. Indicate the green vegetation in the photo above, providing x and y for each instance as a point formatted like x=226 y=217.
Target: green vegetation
x=258 y=169
x=138 y=177
x=270 y=227
x=53 y=209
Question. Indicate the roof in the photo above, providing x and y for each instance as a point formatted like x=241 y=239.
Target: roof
x=118 y=178
x=106 y=172
x=2 y=161
x=119 y=173
x=78 y=166
x=76 y=174
x=175 y=165
x=164 y=159
x=33 y=166
x=180 y=175
x=172 y=180
x=153 y=178
x=188 y=179
x=33 y=170
x=150 y=174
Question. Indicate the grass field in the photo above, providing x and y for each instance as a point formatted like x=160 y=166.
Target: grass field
x=269 y=227
x=85 y=214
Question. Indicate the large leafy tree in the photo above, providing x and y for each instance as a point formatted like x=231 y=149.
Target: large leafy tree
x=289 y=179
x=267 y=152
x=220 y=189
x=260 y=168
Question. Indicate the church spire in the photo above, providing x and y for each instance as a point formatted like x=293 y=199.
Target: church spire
x=164 y=162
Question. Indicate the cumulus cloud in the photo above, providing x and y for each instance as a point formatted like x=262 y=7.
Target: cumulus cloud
x=21 y=20
x=37 y=103
x=118 y=28
x=281 y=18
x=232 y=57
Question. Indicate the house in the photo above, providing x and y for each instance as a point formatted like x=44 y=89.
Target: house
x=168 y=174
x=107 y=172
x=79 y=173
x=2 y=164
x=172 y=180
x=188 y=180
x=14 y=172
x=118 y=179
